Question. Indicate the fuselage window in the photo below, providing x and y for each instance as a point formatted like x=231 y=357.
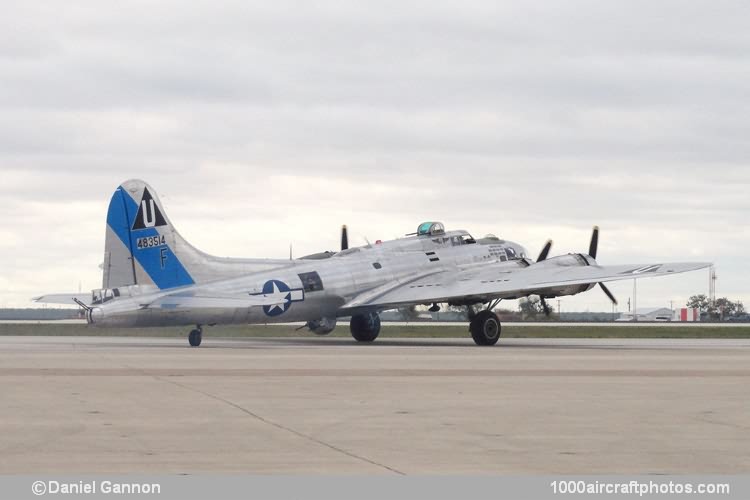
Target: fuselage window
x=497 y=252
x=376 y=265
x=311 y=281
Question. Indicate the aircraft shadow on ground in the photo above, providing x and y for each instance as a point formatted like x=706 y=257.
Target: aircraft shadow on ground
x=428 y=343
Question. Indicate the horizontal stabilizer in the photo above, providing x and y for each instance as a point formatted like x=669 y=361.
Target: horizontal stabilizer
x=68 y=299
x=184 y=301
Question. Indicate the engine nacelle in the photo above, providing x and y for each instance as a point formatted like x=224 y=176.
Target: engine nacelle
x=322 y=326
x=570 y=260
x=551 y=293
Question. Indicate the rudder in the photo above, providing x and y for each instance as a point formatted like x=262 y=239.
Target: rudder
x=141 y=245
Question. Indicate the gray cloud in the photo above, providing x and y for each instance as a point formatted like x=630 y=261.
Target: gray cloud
x=263 y=123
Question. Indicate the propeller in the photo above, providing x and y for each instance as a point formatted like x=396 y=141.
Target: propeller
x=547 y=312
x=593 y=247
x=543 y=256
x=545 y=251
x=608 y=293
x=344 y=238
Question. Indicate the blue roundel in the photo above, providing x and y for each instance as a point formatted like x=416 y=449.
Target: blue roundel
x=280 y=290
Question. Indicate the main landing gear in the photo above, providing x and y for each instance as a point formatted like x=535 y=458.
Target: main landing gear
x=365 y=327
x=196 y=336
x=484 y=325
x=485 y=328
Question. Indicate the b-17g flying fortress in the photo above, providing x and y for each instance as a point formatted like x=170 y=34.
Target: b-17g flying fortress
x=455 y=140
x=153 y=277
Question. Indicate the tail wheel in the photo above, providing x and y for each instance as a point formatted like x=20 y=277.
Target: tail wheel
x=365 y=327
x=485 y=328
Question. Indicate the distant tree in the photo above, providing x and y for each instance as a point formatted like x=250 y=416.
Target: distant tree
x=722 y=308
x=726 y=307
x=699 y=302
x=533 y=308
x=740 y=308
x=409 y=313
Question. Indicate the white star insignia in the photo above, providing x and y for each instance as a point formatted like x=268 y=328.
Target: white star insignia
x=277 y=294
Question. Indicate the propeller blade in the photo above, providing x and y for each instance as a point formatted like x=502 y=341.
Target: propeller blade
x=545 y=306
x=344 y=238
x=594 y=242
x=545 y=251
x=609 y=294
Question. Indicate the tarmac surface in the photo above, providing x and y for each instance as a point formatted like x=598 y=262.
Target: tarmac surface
x=411 y=406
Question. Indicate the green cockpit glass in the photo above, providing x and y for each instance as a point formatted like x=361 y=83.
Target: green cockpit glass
x=430 y=229
x=424 y=228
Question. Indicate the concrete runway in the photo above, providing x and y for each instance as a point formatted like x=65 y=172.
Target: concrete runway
x=412 y=406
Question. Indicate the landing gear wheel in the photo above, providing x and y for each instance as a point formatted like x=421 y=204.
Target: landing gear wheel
x=365 y=327
x=195 y=337
x=485 y=328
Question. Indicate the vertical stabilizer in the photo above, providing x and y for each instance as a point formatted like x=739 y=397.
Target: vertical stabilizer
x=141 y=245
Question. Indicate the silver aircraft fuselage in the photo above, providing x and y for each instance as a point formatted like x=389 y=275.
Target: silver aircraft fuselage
x=314 y=290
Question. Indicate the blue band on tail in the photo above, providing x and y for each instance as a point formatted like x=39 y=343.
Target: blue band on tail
x=159 y=261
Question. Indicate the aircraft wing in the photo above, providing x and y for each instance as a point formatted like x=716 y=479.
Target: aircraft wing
x=68 y=299
x=502 y=280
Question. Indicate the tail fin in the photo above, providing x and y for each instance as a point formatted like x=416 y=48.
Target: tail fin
x=142 y=247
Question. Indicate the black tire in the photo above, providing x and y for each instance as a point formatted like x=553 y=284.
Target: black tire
x=365 y=327
x=485 y=328
x=195 y=338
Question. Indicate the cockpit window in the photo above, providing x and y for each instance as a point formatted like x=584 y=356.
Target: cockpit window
x=511 y=253
x=463 y=239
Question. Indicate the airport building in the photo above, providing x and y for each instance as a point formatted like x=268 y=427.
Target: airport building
x=662 y=314
x=648 y=314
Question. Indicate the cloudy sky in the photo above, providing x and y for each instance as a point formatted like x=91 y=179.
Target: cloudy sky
x=265 y=123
